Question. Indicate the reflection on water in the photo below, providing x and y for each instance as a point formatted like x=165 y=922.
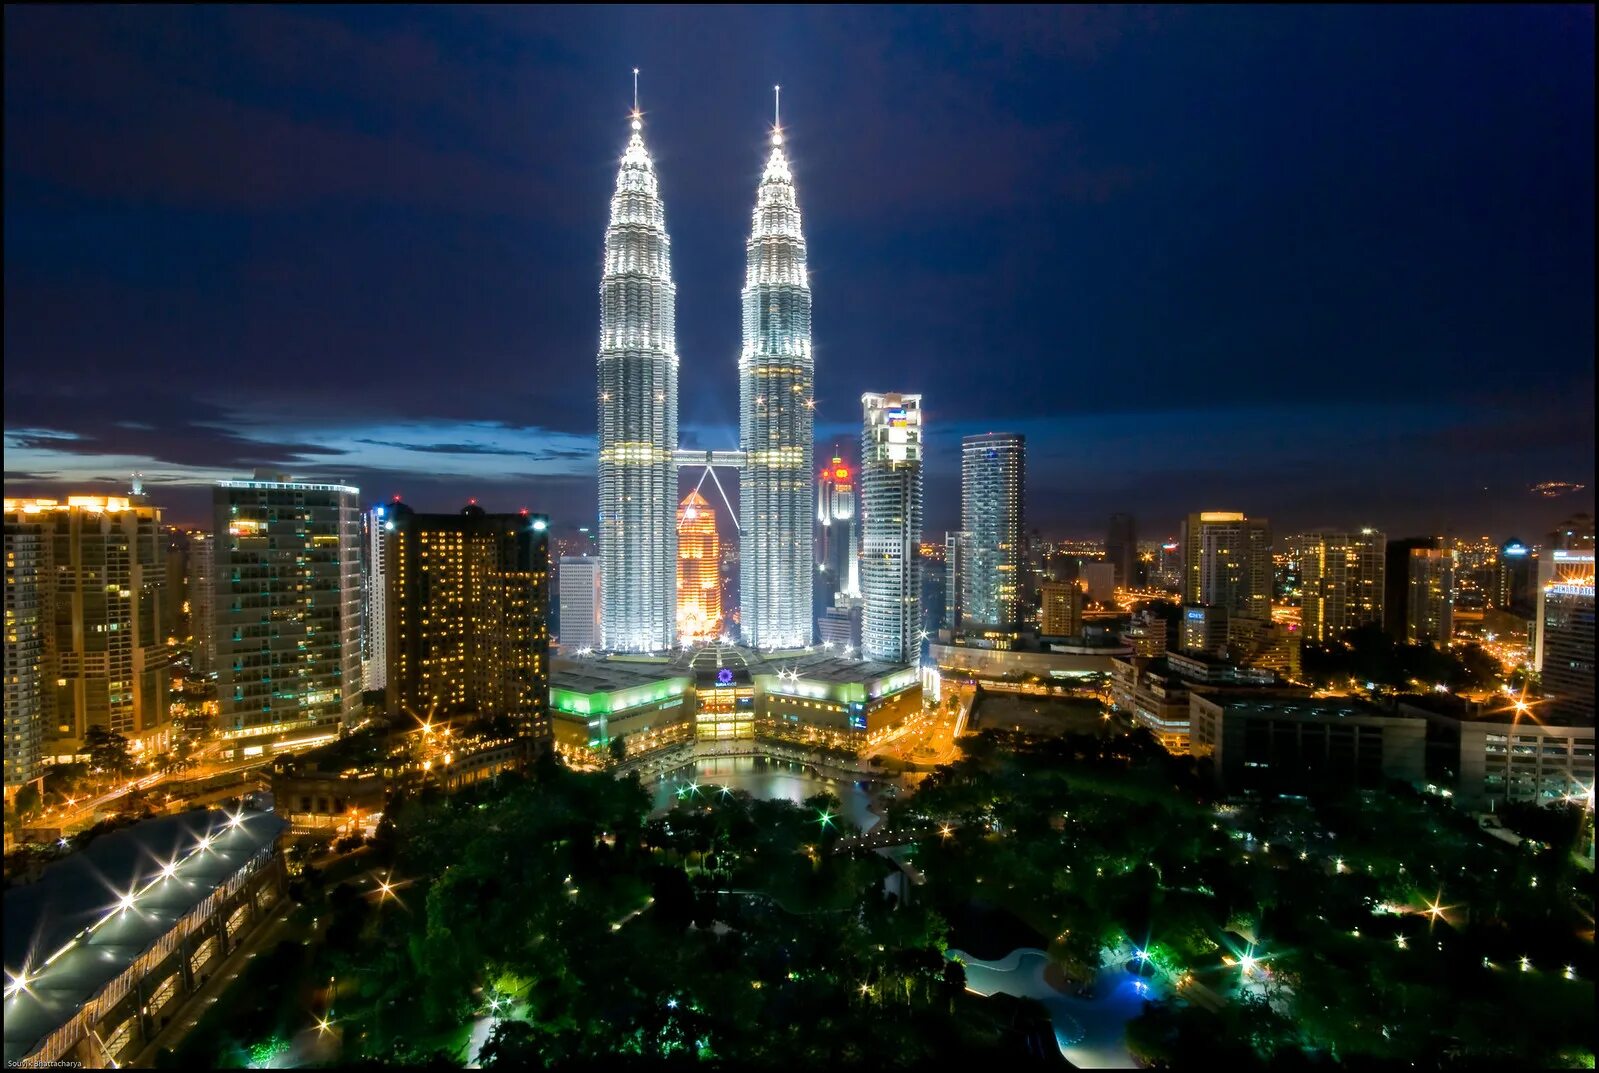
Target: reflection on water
x=767 y=780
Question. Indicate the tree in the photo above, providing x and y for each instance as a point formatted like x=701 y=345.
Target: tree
x=108 y=751
x=619 y=748
x=26 y=801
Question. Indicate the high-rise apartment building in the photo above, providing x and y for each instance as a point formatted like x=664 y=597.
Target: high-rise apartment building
x=891 y=526
x=1340 y=581
x=1430 y=601
x=287 y=611
x=777 y=418
x=637 y=406
x=1396 y=583
x=102 y=565
x=699 y=582
x=1227 y=562
x=1063 y=609
x=1121 y=550
x=469 y=615
x=375 y=526
x=202 y=604
x=27 y=690
x=580 y=604
x=993 y=473
x=1565 y=637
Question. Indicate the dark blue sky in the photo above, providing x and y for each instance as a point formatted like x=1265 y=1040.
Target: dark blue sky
x=1329 y=265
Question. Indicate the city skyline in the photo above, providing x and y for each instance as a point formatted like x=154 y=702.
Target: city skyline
x=441 y=383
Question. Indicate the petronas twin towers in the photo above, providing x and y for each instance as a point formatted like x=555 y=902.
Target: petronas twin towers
x=637 y=406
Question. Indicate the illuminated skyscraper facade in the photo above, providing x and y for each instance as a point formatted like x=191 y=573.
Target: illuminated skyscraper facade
x=579 y=582
x=468 y=615
x=699 y=571
x=638 y=413
x=993 y=471
x=287 y=614
x=1431 y=599
x=102 y=565
x=1566 y=638
x=26 y=607
x=776 y=419
x=891 y=526
x=1227 y=563
x=202 y=602
x=375 y=526
x=1341 y=578
x=837 y=547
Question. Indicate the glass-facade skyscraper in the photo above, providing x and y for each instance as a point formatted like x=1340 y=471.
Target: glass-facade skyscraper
x=891 y=526
x=1227 y=563
x=638 y=413
x=993 y=472
x=777 y=389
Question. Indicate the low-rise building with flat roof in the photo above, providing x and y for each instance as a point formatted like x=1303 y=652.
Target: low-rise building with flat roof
x=1292 y=741
x=109 y=945
x=721 y=692
x=1486 y=755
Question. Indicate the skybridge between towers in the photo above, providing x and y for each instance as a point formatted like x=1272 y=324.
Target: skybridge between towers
x=689 y=458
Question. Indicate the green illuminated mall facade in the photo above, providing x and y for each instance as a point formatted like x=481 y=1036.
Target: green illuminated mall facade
x=721 y=693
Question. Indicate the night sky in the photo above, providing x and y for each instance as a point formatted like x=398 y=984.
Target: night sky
x=1334 y=266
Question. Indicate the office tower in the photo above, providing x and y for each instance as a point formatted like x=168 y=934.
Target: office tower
x=993 y=472
x=1099 y=580
x=1340 y=581
x=957 y=549
x=27 y=699
x=1169 y=564
x=837 y=551
x=699 y=557
x=469 y=615
x=840 y=625
x=776 y=419
x=1396 y=583
x=375 y=525
x=287 y=614
x=1062 y=610
x=102 y=560
x=1557 y=563
x=202 y=603
x=1121 y=549
x=1227 y=562
x=1576 y=533
x=637 y=412
x=1430 y=600
x=1203 y=628
x=891 y=526
x=1565 y=635
x=1516 y=578
x=580 y=604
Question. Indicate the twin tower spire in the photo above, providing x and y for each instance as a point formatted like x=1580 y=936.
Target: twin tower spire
x=637 y=414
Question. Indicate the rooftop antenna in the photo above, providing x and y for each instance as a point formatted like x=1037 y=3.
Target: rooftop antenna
x=777 y=115
x=635 y=91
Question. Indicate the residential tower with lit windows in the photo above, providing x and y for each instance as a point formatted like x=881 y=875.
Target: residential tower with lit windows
x=287 y=610
x=468 y=615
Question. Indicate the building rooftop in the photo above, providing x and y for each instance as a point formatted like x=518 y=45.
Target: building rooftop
x=1297 y=704
x=92 y=914
x=601 y=675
